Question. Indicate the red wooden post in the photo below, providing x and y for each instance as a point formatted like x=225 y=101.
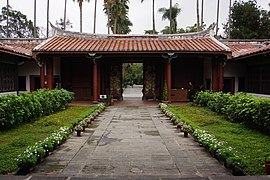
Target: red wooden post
x=50 y=77
x=95 y=82
x=42 y=76
x=169 y=79
x=217 y=75
x=99 y=85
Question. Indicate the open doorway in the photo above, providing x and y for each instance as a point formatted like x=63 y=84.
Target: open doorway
x=132 y=81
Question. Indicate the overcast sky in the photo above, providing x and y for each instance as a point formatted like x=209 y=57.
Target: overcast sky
x=140 y=13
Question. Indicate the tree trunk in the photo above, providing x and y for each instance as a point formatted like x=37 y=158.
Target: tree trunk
x=48 y=13
x=95 y=16
x=198 y=16
x=7 y=34
x=80 y=5
x=230 y=21
x=202 y=15
x=170 y=16
x=35 y=18
x=115 y=24
x=154 y=25
x=65 y=14
x=217 y=17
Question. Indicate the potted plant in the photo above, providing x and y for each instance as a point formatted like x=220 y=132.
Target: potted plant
x=83 y=123
x=267 y=165
x=186 y=129
x=165 y=94
x=110 y=100
x=180 y=125
x=79 y=129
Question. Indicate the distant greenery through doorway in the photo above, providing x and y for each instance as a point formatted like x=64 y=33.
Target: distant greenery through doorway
x=132 y=74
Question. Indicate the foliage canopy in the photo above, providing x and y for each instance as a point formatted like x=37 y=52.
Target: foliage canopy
x=18 y=25
x=248 y=21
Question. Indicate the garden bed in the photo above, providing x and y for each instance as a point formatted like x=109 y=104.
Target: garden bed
x=246 y=148
x=15 y=141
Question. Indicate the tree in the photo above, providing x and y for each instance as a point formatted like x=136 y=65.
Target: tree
x=217 y=17
x=150 y=32
x=95 y=16
x=175 y=11
x=65 y=14
x=18 y=27
x=198 y=16
x=7 y=13
x=48 y=17
x=170 y=17
x=153 y=31
x=117 y=13
x=64 y=25
x=80 y=6
x=248 y=21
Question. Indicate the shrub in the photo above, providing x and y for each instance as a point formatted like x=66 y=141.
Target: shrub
x=15 y=110
x=240 y=108
x=202 y=98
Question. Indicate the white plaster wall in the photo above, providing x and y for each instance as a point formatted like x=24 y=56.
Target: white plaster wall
x=27 y=69
x=7 y=93
x=56 y=66
x=235 y=70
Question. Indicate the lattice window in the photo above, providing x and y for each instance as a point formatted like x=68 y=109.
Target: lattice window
x=8 y=80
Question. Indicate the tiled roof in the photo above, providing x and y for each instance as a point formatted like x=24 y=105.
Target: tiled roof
x=241 y=49
x=18 y=47
x=74 y=42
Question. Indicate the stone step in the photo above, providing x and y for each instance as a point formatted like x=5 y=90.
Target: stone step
x=135 y=177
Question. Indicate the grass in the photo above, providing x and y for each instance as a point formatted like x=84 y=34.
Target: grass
x=250 y=144
x=15 y=141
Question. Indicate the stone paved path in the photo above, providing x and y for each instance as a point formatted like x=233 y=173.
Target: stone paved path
x=131 y=142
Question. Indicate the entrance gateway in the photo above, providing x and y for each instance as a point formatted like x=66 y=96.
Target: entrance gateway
x=91 y=64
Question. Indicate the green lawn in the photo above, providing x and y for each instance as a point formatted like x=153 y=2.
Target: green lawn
x=15 y=141
x=250 y=144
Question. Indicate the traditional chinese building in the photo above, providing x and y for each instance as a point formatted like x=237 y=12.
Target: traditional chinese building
x=91 y=64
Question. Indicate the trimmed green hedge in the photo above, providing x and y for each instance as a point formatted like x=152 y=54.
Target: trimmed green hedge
x=240 y=108
x=15 y=110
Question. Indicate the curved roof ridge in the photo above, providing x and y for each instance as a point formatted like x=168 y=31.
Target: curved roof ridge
x=65 y=33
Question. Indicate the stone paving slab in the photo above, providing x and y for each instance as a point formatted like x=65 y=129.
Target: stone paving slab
x=131 y=143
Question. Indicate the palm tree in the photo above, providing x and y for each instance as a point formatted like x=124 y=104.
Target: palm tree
x=198 y=16
x=171 y=17
x=171 y=14
x=95 y=16
x=35 y=18
x=202 y=15
x=153 y=16
x=117 y=12
x=217 y=17
x=65 y=14
x=80 y=6
x=48 y=13
x=230 y=21
x=7 y=18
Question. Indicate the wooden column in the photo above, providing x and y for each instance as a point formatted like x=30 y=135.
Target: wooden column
x=95 y=82
x=50 y=76
x=43 y=82
x=99 y=78
x=217 y=75
x=168 y=77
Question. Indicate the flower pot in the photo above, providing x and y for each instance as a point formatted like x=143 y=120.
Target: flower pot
x=165 y=102
x=79 y=133
x=83 y=128
x=267 y=167
x=185 y=134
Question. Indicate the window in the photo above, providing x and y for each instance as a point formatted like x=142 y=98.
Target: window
x=8 y=77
